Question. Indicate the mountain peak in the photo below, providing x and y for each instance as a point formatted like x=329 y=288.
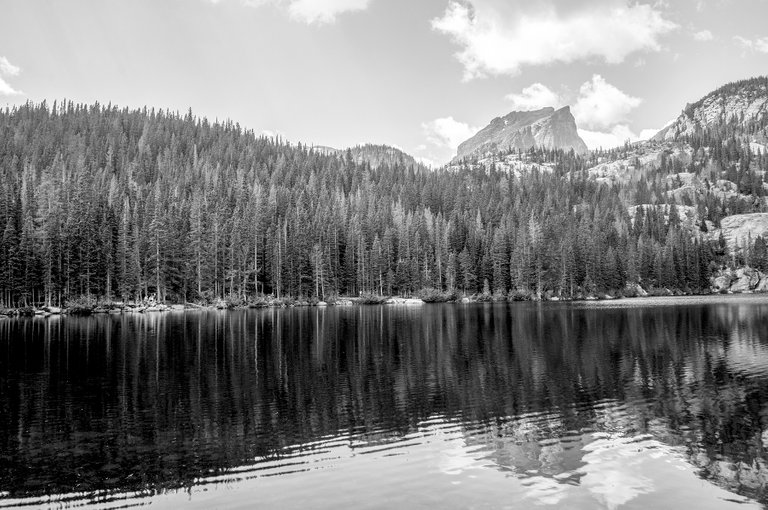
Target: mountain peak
x=545 y=127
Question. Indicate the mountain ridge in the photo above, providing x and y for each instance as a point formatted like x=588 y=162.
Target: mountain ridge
x=372 y=153
x=741 y=106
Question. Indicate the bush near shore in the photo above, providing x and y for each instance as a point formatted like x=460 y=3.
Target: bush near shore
x=432 y=295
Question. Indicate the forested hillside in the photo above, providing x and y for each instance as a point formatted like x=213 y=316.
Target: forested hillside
x=122 y=204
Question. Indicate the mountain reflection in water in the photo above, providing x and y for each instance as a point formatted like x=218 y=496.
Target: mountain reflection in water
x=568 y=405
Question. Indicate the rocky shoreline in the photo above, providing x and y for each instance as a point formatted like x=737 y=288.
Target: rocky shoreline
x=120 y=308
x=743 y=280
x=728 y=281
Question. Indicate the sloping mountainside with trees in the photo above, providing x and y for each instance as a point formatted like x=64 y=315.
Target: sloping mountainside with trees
x=123 y=204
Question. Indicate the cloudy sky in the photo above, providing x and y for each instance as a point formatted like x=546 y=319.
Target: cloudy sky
x=421 y=75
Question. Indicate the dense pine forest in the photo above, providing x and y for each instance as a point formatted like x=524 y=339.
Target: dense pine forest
x=123 y=204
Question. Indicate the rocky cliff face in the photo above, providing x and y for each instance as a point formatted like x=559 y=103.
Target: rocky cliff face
x=740 y=106
x=639 y=161
x=740 y=230
x=549 y=128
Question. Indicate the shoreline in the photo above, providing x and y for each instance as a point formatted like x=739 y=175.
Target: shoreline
x=130 y=308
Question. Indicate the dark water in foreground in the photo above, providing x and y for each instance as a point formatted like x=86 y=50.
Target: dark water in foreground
x=657 y=404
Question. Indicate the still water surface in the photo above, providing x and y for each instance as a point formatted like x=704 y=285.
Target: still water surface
x=647 y=404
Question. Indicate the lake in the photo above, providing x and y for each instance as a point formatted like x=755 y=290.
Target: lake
x=647 y=403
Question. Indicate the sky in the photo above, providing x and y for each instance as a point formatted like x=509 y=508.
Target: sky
x=420 y=75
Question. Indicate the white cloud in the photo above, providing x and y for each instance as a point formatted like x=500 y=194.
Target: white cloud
x=323 y=11
x=647 y=134
x=534 y=97
x=601 y=105
x=608 y=140
x=500 y=37
x=7 y=69
x=760 y=44
x=744 y=42
x=601 y=111
x=311 y=11
x=703 y=35
x=6 y=89
x=446 y=132
x=615 y=137
x=428 y=162
x=443 y=137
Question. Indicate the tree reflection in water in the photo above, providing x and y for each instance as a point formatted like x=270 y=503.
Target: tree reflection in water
x=558 y=395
